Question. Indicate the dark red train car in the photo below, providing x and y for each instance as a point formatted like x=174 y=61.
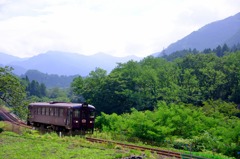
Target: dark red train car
x=61 y=116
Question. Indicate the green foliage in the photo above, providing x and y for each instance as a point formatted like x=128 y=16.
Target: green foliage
x=90 y=86
x=219 y=51
x=58 y=94
x=193 y=79
x=37 y=92
x=217 y=107
x=12 y=92
x=33 y=88
x=179 y=124
x=207 y=85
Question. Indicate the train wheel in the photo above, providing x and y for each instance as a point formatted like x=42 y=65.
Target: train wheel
x=70 y=133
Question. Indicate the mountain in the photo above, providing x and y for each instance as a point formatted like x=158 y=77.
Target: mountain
x=6 y=59
x=65 y=63
x=209 y=36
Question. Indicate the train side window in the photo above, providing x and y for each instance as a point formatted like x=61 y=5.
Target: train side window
x=51 y=111
x=39 y=110
x=47 y=111
x=43 y=111
x=61 y=112
x=35 y=111
x=56 y=112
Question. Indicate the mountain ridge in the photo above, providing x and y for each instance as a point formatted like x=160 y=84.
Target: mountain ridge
x=209 y=36
x=64 y=63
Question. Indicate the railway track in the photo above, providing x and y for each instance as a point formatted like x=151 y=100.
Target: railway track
x=9 y=117
x=153 y=150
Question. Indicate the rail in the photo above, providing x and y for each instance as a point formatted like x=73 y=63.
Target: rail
x=153 y=150
x=6 y=116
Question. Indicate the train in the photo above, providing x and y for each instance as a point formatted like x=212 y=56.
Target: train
x=62 y=116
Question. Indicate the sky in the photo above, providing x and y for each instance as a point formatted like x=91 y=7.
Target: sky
x=115 y=27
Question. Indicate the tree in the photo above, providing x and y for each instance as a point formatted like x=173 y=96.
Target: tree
x=219 y=51
x=231 y=70
x=12 y=93
x=225 y=48
x=90 y=88
x=33 y=88
x=42 y=90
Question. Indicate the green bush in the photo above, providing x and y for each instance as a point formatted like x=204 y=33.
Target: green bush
x=184 y=126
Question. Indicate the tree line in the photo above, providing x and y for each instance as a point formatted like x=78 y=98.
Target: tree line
x=219 y=51
x=192 y=79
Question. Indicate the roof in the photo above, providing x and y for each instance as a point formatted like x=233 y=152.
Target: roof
x=60 y=104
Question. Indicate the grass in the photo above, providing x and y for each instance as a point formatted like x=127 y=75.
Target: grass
x=31 y=145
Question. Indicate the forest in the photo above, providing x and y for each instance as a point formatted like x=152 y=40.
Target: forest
x=191 y=99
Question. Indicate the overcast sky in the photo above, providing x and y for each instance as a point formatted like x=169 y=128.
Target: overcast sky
x=116 y=27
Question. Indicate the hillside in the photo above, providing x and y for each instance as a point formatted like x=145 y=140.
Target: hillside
x=50 y=80
x=209 y=36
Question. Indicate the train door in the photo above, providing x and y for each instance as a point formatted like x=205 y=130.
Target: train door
x=30 y=116
x=76 y=119
x=69 y=119
x=84 y=118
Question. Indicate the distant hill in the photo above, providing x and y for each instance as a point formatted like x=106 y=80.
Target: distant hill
x=210 y=36
x=50 y=80
x=65 y=63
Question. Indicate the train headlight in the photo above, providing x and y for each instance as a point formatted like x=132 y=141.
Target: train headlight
x=83 y=120
x=91 y=122
x=76 y=121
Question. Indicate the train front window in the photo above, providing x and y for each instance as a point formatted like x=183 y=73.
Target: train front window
x=84 y=113
x=76 y=113
x=92 y=113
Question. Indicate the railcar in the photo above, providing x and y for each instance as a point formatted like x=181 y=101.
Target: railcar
x=60 y=116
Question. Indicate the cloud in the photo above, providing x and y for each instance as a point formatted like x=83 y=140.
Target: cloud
x=120 y=27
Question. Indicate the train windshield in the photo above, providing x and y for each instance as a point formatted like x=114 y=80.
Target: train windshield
x=92 y=113
x=76 y=113
x=87 y=113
